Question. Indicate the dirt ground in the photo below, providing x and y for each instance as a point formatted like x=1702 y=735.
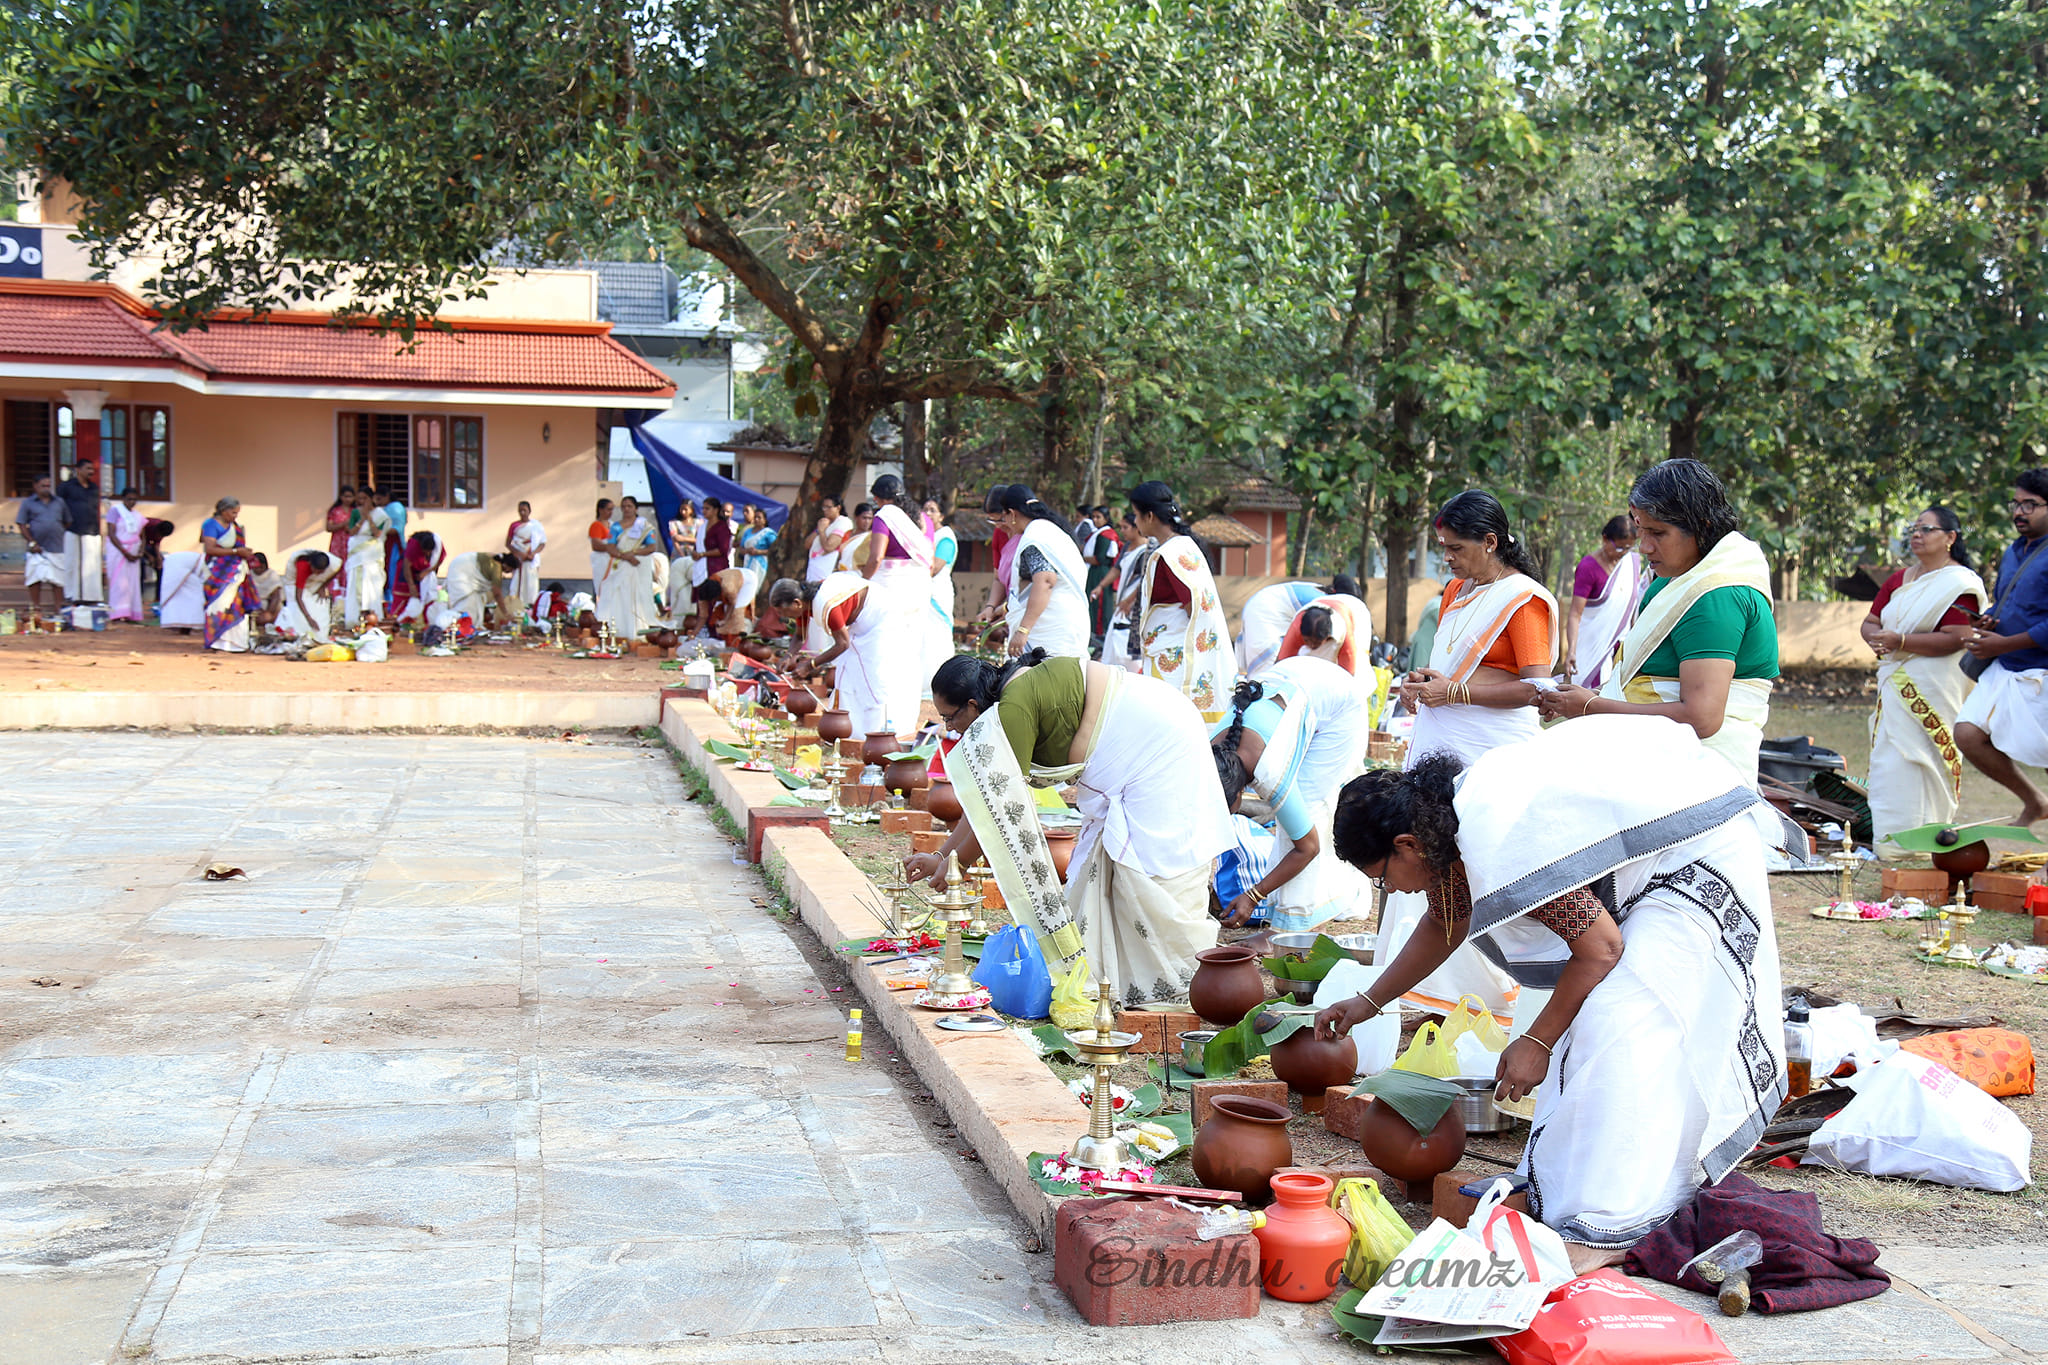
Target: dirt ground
x=1871 y=964
x=130 y=658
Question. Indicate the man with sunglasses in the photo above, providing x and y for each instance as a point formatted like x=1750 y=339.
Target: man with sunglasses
x=2005 y=721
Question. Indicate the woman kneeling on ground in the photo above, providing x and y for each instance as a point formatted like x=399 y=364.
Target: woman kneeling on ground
x=1641 y=908
x=1152 y=814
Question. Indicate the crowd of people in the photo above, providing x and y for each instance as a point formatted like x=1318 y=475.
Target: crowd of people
x=1521 y=854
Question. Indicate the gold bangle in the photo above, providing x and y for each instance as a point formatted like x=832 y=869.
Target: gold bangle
x=1377 y=1007
x=1532 y=1038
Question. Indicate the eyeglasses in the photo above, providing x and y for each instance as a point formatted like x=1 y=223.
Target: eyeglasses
x=952 y=717
x=2027 y=505
x=1917 y=529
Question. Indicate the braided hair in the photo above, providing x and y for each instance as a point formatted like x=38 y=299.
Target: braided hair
x=1475 y=514
x=1377 y=808
x=1317 y=625
x=889 y=488
x=965 y=678
x=1157 y=498
x=1230 y=769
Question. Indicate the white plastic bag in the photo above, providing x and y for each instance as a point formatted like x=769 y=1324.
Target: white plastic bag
x=1513 y=1234
x=1915 y=1118
x=1448 y=1287
x=373 y=648
x=1378 y=1038
x=1839 y=1032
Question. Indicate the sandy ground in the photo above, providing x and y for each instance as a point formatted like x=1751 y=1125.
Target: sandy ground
x=127 y=658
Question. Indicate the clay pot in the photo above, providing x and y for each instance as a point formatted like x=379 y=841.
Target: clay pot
x=877 y=747
x=1227 y=985
x=757 y=651
x=1242 y=1144
x=904 y=776
x=1313 y=1066
x=1405 y=1154
x=1061 y=844
x=943 y=802
x=1963 y=863
x=800 y=701
x=835 y=725
x=1302 y=1245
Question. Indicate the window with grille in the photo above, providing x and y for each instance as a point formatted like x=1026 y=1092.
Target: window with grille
x=429 y=459
x=41 y=438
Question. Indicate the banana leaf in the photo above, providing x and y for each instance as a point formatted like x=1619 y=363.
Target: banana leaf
x=1422 y=1100
x=729 y=751
x=790 y=779
x=1054 y=1040
x=1169 y=1074
x=924 y=751
x=1183 y=1126
x=1227 y=1053
x=1927 y=838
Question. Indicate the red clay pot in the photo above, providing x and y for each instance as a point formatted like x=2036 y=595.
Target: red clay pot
x=1302 y=1245
x=1312 y=1066
x=1963 y=863
x=1405 y=1154
x=1242 y=1144
x=835 y=725
x=877 y=747
x=1227 y=985
x=799 y=701
x=943 y=802
x=1061 y=844
x=904 y=776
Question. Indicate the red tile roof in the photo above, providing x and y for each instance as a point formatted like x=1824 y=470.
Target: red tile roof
x=73 y=324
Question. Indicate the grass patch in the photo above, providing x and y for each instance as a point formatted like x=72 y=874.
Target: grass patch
x=699 y=787
x=775 y=871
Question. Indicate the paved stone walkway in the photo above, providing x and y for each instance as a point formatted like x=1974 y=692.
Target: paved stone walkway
x=497 y=1057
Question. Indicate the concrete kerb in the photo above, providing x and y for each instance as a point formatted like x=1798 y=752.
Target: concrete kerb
x=328 y=711
x=1001 y=1097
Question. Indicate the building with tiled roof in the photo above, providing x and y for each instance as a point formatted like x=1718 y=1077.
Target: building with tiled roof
x=511 y=402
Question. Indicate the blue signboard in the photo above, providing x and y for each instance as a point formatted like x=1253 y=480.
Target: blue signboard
x=21 y=252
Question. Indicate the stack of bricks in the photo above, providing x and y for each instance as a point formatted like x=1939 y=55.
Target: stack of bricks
x=2005 y=892
x=1925 y=883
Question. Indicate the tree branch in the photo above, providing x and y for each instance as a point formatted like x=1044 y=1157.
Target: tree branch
x=713 y=236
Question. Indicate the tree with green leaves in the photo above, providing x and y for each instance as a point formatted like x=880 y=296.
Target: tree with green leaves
x=968 y=201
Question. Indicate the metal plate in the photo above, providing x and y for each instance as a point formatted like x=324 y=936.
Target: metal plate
x=973 y=1023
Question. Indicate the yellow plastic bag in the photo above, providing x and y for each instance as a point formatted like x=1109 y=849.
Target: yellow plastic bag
x=1472 y=1016
x=330 y=654
x=1073 y=999
x=1377 y=1233
x=1430 y=1054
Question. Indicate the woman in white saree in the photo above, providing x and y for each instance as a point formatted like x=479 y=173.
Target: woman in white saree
x=366 y=561
x=525 y=541
x=1704 y=647
x=628 y=597
x=897 y=563
x=1048 y=603
x=1182 y=631
x=1599 y=619
x=1496 y=636
x=1917 y=627
x=1642 y=908
x=1136 y=899
x=307 y=613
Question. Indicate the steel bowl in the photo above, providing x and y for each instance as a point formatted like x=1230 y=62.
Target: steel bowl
x=1299 y=944
x=1476 y=1107
x=1191 y=1044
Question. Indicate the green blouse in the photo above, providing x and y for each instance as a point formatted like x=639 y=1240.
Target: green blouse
x=1734 y=622
x=1041 y=710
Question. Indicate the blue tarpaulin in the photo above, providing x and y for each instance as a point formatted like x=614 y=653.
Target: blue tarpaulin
x=674 y=476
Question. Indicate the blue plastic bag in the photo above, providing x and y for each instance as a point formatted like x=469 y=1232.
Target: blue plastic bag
x=1013 y=972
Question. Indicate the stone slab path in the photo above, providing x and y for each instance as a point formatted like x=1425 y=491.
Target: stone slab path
x=497 y=1057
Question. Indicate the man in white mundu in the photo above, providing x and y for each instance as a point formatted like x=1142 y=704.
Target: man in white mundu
x=1497 y=631
x=1917 y=627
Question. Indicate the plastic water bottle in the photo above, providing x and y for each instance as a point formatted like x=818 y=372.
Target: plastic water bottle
x=853 y=1036
x=1798 y=1050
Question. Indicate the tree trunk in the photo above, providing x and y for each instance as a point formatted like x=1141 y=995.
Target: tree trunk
x=1054 y=442
x=1307 y=527
x=1365 y=536
x=842 y=440
x=916 y=466
x=946 y=473
x=1400 y=544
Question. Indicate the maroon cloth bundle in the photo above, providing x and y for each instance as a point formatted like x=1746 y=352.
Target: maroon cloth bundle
x=1803 y=1268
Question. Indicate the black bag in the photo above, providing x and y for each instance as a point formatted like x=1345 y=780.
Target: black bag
x=1972 y=666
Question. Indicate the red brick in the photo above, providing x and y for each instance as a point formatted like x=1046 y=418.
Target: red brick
x=1150 y=1028
x=2041 y=931
x=1455 y=1208
x=1338 y=1170
x=1344 y=1112
x=1999 y=884
x=850 y=749
x=916 y=797
x=759 y=818
x=1926 y=883
x=927 y=841
x=2006 y=905
x=1136 y=1262
x=906 y=821
x=1207 y=1091
x=854 y=794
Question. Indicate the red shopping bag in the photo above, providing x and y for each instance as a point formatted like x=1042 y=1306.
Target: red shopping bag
x=1604 y=1319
